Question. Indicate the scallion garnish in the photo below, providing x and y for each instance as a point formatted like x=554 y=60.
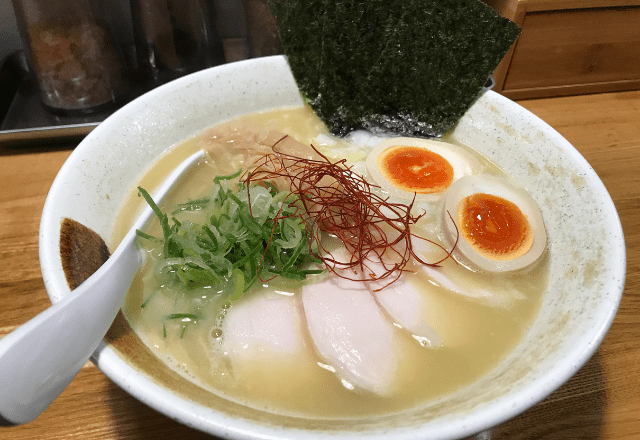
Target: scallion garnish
x=249 y=234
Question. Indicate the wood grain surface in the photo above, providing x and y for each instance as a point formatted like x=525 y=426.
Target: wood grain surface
x=602 y=401
x=577 y=47
x=570 y=47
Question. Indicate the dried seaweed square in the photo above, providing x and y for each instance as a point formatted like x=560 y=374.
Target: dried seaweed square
x=412 y=66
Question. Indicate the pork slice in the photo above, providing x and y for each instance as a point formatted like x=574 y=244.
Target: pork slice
x=464 y=285
x=352 y=335
x=457 y=279
x=405 y=305
x=263 y=326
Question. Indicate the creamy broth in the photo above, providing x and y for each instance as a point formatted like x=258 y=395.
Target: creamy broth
x=476 y=336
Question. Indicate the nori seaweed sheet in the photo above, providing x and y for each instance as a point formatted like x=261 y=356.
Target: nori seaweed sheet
x=413 y=67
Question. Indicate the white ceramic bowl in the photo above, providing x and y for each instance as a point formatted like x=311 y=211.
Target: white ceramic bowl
x=587 y=254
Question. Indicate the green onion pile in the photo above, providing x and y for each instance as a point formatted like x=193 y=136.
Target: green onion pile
x=249 y=235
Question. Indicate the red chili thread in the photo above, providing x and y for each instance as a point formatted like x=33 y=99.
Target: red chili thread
x=338 y=201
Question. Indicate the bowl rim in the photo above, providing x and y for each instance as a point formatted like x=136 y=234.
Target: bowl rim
x=196 y=416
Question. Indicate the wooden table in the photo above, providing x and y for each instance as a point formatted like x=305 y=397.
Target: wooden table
x=602 y=401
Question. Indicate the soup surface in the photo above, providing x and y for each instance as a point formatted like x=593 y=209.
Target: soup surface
x=477 y=329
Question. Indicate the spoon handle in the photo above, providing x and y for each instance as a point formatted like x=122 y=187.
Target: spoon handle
x=41 y=357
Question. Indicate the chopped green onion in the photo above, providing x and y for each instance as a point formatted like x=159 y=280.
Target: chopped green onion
x=227 y=177
x=248 y=235
x=148 y=299
x=146 y=236
x=184 y=317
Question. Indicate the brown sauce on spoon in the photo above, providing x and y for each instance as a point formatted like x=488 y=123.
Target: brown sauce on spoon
x=82 y=252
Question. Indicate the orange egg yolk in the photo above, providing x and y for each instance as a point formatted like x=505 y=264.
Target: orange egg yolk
x=415 y=169
x=495 y=227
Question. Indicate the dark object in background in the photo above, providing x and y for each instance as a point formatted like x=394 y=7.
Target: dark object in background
x=9 y=81
x=174 y=37
x=23 y=118
x=72 y=53
x=261 y=28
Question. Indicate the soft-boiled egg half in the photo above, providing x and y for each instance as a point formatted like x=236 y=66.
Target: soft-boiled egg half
x=499 y=227
x=404 y=167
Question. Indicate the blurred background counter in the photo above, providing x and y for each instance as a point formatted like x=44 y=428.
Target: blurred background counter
x=67 y=64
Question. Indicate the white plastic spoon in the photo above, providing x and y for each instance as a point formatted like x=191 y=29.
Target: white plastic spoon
x=41 y=357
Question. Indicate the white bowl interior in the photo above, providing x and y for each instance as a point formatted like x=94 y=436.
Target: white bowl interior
x=587 y=253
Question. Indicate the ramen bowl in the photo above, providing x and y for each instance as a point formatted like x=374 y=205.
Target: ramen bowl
x=585 y=241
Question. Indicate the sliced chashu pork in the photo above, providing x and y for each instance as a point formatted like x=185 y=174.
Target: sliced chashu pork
x=264 y=327
x=459 y=280
x=352 y=335
x=401 y=300
x=406 y=306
